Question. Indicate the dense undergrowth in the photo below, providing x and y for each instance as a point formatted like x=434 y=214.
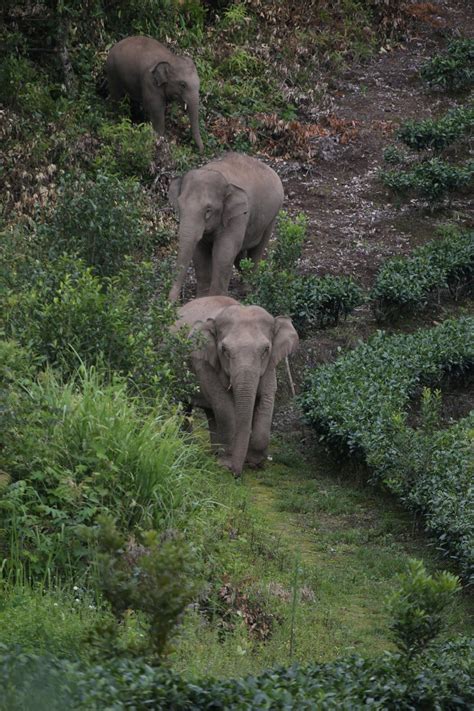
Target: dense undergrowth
x=115 y=524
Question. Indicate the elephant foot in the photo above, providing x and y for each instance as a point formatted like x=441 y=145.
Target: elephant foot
x=256 y=460
x=226 y=461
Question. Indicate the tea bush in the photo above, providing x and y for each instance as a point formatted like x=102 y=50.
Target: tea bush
x=439 y=680
x=312 y=302
x=406 y=283
x=418 y=606
x=433 y=179
x=454 y=69
x=360 y=403
x=438 y=133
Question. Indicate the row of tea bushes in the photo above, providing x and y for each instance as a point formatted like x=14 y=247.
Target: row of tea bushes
x=406 y=283
x=438 y=133
x=441 y=679
x=362 y=401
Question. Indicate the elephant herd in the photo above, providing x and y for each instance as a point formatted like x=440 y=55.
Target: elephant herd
x=227 y=210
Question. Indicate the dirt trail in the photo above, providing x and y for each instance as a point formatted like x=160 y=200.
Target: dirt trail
x=355 y=224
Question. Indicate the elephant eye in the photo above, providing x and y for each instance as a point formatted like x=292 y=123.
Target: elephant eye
x=182 y=84
x=208 y=213
x=265 y=351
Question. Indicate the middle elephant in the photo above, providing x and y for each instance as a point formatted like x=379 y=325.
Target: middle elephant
x=227 y=210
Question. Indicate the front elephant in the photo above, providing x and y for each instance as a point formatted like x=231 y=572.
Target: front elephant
x=151 y=75
x=238 y=349
x=227 y=210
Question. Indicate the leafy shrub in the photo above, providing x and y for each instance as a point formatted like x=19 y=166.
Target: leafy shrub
x=312 y=302
x=453 y=70
x=407 y=282
x=24 y=88
x=431 y=179
x=418 y=605
x=77 y=450
x=440 y=680
x=127 y=151
x=155 y=577
x=437 y=133
x=99 y=220
x=68 y=315
x=361 y=403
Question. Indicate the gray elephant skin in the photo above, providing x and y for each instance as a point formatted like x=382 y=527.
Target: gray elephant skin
x=237 y=349
x=227 y=210
x=151 y=75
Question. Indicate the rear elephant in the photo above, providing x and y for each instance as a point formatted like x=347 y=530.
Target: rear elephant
x=227 y=210
x=238 y=349
x=147 y=72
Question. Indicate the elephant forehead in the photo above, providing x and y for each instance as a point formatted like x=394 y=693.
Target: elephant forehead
x=251 y=318
x=202 y=181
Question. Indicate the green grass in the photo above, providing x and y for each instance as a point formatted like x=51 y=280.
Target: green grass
x=350 y=543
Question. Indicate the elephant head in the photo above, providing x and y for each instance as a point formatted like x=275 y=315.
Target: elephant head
x=179 y=80
x=243 y=346
x=206 y=202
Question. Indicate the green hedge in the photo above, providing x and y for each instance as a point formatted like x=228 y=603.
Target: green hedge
x=407 y=282
x=361 y=402
x=443 y=679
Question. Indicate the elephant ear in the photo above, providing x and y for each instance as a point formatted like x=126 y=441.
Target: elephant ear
x=235 y=204
x=174 y=191
x=160 y=73
x=205 y=335
x=285 y=339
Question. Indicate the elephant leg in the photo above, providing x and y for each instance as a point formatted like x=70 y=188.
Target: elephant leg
x=223 y=254
x=219 y=409
x=211 y=421
x=256 y=253
x=202 y=259
x=155 y=107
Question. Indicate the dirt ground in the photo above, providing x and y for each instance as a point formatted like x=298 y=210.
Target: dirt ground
x=355 y=224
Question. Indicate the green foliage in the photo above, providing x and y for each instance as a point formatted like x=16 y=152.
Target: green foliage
x=24 y=87
x=454 y=69
x=418 y=607
x=393 y=155
x=437 y=133
x=127 y=150
x=68 y=315
x=76 y=450
x=158 y=578
x=442 y=680
x=100 y=221
x=406 y=283
x=361 y=402
x=432 y=179
x=312 y=302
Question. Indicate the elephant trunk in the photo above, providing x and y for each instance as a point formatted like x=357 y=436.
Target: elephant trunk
x=193 y=112
x=245 y=392
x=189 y=235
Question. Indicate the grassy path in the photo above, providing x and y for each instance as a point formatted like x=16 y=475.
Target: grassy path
x=345 y=543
